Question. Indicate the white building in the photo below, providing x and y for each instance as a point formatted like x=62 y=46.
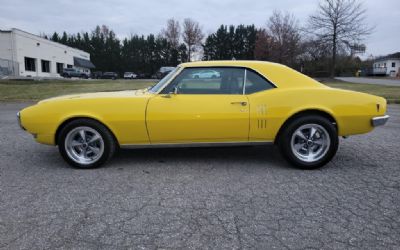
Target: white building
x=35 y=56
x=386 y=66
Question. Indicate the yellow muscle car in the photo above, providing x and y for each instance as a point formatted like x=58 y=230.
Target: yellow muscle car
x=240 y=103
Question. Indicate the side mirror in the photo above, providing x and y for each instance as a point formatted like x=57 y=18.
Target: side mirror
x=171 y=93
x=174 y=91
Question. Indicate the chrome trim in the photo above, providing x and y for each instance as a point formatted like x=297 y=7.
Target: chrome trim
x=84 y=145
x=379 y=120
x=262 y=75
x=170 y=80
x=197 y=144
x=181 y=68
x=310 y=142
x=19 y=121
x=244 y=81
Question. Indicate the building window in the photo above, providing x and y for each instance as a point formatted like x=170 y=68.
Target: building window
x=60 y=67
x=30 y=64
x=393 y=65
x=46 y=66
x=69 y=66
x=384 y=65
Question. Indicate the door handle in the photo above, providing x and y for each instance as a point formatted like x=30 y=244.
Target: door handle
x=241 y=103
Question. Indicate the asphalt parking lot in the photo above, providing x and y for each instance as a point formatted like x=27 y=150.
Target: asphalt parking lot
x=217 y=198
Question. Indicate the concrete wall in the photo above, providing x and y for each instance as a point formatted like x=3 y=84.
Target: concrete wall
x=6 y=50
x=28 y=45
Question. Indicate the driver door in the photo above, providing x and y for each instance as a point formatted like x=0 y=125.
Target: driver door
x=195 y=107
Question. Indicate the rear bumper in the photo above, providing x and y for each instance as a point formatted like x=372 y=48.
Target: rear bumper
x=379 y=120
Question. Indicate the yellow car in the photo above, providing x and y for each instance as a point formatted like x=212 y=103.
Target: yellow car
x=242 y=103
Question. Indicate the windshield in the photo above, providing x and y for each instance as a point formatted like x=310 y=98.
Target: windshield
x=163 y=81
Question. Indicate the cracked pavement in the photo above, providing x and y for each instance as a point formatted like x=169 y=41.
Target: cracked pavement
x=208 y=198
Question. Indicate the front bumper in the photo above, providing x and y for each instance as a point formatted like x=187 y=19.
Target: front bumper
x=379 y=120
x=19 y=121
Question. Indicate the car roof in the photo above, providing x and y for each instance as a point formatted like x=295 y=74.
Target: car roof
x=237 y=63
x=279 y=74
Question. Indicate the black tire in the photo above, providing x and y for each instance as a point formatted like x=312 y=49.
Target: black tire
x=110 y=144
x=285 y=141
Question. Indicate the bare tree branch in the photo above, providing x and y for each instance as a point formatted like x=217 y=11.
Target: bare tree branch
x=192 y=35
x=340 y=23
x=172 y=32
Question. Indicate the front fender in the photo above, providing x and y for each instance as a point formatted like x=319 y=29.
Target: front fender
x=125 y=117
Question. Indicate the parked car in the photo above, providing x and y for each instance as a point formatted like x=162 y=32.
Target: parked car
x=110 y=75
x=143 y=76
x=97 y=75
x=130 y=75
x=207 y=74
x=163 y=71
x=252 y=103
x=73 y=72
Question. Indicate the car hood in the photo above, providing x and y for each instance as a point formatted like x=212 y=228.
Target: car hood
x=111 y=94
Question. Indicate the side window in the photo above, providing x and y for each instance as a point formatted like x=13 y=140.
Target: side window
x=256 y=83
x=218 y=80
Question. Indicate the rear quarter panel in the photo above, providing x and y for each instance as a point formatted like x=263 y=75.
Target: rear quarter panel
x=352 y=111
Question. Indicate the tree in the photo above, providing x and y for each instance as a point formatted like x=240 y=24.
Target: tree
x=192 y=35
x=314 y=59
x=284 y=31
x=216 y=45
x=280 y=41
x=64 y=38
x=231 y=42
x=263 y=45
x=172 y=33
x=55 y=37
x=337 y=24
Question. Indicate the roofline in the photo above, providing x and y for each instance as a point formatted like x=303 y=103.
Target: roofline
x=43 y=39
x=385 y=59
x=230 y=62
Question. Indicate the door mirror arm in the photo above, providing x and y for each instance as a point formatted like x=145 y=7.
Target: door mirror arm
x=171 y=93
x=175 y=91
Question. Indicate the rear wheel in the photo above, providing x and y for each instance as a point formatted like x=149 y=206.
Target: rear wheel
x=309 y=142
x=86 y=143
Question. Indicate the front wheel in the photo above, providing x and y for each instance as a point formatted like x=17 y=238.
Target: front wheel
x=86 y=143
x=309 y=142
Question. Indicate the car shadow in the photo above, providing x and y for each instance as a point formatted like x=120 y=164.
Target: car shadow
x=266 y=156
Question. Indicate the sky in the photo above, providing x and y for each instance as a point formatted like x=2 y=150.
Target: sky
x=128 y=17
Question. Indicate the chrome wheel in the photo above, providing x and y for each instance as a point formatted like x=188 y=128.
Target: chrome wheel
x=84 y=145
x=310 y=142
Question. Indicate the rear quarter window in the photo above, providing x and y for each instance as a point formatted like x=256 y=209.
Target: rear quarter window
x=256 y=83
